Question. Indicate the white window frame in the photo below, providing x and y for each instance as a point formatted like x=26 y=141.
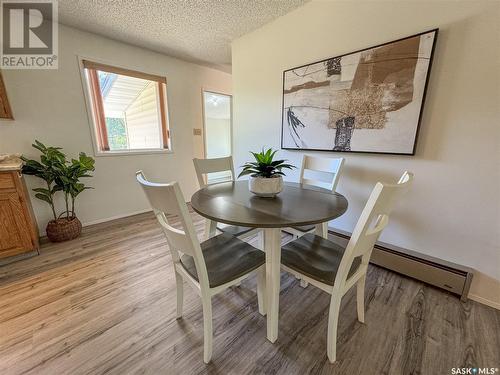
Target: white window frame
x=90 y=113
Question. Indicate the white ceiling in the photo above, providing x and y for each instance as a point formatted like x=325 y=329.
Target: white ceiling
x=195 y=30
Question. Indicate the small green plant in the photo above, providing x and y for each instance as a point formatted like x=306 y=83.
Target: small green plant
x=265 y=165
x=69 y=180
x=59 y=174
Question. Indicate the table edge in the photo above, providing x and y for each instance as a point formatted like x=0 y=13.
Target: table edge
x=295 y=224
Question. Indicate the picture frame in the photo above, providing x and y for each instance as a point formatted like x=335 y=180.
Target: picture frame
x=367 y=101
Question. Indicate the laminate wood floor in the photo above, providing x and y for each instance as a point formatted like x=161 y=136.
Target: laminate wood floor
x=105 y=303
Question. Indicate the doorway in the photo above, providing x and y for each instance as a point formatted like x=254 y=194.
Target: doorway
x=217 y=113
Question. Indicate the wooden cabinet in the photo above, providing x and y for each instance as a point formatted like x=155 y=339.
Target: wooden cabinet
x=18 y=229
x=5 y=111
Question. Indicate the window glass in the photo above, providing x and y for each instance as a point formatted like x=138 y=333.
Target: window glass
x=129 y=111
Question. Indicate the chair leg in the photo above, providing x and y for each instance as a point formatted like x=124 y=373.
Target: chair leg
x=302 y=282
x=333 y=318
x=261 y=290
x=260 y=241
x=210 y=229
x=360 y=298
x=322 y=230
x=180 y=294
x=207 y=328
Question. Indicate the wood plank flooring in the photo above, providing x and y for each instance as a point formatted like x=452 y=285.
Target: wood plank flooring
x=105 y=304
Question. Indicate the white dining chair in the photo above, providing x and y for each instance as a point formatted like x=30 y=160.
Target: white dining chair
x=205 y=167
x=335 y=269
x=321 y=172
x=210 y=267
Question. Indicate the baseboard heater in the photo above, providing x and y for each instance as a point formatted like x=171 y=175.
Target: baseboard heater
x=442 y=274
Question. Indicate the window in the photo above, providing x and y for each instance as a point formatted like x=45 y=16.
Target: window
x=129 y=109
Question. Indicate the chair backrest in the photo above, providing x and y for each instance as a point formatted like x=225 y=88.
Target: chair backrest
x=167 y=201
x=205 y=166
x=374 y=218
x=326 y=171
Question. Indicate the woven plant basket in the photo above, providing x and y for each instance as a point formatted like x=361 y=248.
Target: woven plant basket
x=64 y=229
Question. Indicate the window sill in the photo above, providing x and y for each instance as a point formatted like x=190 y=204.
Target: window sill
x=133 y=152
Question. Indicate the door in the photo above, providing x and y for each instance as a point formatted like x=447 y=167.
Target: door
x=14 y=230
x=217 y=112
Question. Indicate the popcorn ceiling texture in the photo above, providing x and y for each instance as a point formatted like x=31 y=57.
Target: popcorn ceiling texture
x=200 y=31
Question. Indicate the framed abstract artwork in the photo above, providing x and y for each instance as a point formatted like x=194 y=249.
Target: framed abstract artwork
x=365 y=101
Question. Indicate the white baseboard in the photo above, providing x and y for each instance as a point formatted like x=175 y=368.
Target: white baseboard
x=485 y=301
x=486 y=290
x=103 y=220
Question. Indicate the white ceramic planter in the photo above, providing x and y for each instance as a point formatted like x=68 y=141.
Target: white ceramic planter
x=265 y=187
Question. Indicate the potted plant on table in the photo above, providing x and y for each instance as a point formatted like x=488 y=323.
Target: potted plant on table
x=266 y=175
x=60 y=175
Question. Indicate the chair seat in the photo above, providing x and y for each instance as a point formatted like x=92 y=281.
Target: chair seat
x=305 y=228
x=316 y=257
x=227 y=258
x=233 y=230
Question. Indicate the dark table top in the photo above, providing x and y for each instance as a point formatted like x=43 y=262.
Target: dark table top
x=232 y=203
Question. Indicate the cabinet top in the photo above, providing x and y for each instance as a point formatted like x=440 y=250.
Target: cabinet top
x=10 y=162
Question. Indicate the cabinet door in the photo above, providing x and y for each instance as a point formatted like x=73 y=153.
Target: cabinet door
x=14 y=230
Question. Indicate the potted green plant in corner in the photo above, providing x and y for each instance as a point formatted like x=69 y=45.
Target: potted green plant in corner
x=60 y=175
x=266 y=174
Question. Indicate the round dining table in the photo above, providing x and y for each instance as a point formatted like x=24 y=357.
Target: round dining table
x=297 y=205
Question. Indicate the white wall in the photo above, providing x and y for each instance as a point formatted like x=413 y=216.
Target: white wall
x=49 y=106
x=452 y=211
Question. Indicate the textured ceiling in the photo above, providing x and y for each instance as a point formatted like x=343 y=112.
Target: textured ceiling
x=195 y=30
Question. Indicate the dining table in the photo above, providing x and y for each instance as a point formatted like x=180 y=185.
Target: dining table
x=296 y=205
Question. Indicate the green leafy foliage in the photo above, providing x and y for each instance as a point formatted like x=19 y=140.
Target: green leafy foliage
x=265 y=165
x=117 y=133
x=69 y=180
x=59 y=174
